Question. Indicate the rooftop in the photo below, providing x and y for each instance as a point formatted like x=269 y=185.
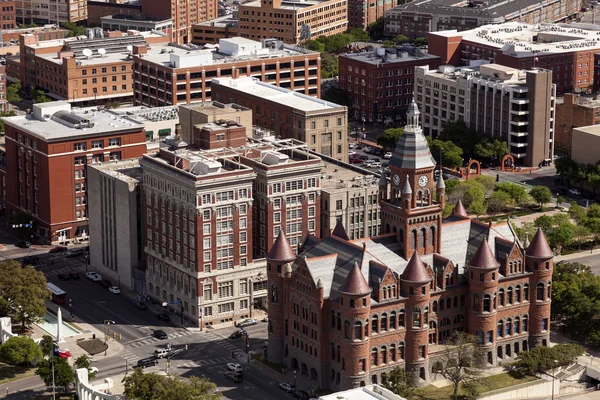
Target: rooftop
x=143 y=114
x=224 y=21
x=135 y=18
x=290 y=4
x=398 y=55
x=128 y=171
x=369 y=392
x=523 y=40
x=591 y=129
x=342 y=176
x=276 y=94
x=495 y=72
x=57 y=120
x=582 y=100
x=495 y=10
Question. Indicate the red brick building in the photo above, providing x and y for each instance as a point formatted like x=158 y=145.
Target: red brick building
x=381 y=83
x=344 y=312
x=99 y=9
x=3 y=99
x=8 y=14
x=46 y=156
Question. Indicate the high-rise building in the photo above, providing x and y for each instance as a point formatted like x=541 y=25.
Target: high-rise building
x=47 y=153
x=512 y=105
x=344 y=312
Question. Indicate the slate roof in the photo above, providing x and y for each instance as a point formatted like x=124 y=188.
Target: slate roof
x=484 y=258
x=415 y=270
x=539 y=246
x=340 y=231
x=412 y=151
x=355 y=282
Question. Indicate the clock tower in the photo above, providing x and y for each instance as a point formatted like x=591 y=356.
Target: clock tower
x=414 y=209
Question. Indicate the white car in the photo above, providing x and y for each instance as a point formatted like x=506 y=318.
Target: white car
x=93 y=276
x=351 y=153
x=248 y=322
x=375 y=164
x=265 y=319
x=368 y=163
x=287 y=387
x=575 y=192
x=387 y=155
x=93 y=370
x=114 y=289
x=234 y=367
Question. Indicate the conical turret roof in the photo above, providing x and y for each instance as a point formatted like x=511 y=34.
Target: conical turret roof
x=340 y=231
x=281 y=249
x=407 y=189
x=440 y=182
x=484 y=257
x=539 y=246
x=459 y=210
x=355 y=282
x=415 y=270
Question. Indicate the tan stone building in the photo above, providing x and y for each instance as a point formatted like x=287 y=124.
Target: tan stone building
x=574 y=111
x=585 y=143
x=50 y=11
x=193 y=117
x=292 y=21
x=319 y=123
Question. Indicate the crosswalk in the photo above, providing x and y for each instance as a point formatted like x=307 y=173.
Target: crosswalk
x=129 y=356
x=221 y=341
x=151 y=339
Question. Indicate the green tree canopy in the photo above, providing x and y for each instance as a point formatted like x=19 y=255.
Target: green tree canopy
x=13 y=91
x=543 y=358
x=46 y=345
x=375 y=29
x=63 y=373
x=462 y=360
x=398 y=381
x=337 y=96
x=315 y=45
x=39 y=96
x=541 y=195
x=141 y=386
x=74 y=29
x=84 y=362
x=399 y=39
x=329 y=65
x=20 y=350
x=491 y=148
x=500 y=201
x=451 y=153
x=389 y=138
x=421 y=41
x=359 y=35
x=516 y=192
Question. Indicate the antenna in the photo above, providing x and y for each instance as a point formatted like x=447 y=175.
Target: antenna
x=102 y=51
x=87 y=53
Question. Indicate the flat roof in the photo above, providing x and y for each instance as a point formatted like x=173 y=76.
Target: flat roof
x=369 y=392
x=591 y=129
x=399 y=55
x=145 y=114
x=514 y=76
x=342 y=176
x=291 y=4
x=524 y=40
x=276 y=94
x=224 y=21
x=49 y=129
x=128 y=171
x=108 y=58
x=490 y=9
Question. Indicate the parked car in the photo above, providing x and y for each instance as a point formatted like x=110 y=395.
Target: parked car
x=575 y=192
x=375 y=164
x=286 y=386
x=114 y=290
x=351 y=153
x=368 y=149
x=248 y=322
x=64 y=277
x=140 y=305
x=265 y=319
x=367 y=163
x=93 y=370
x=234 y=377
x=301 y=394
x=559 y=190
x=25 y=244
x=387 y=155
x=235 y=335
x=235 y=367
x=363 y=157
x=160 y=334
x=58 y=249
x=356 y=160
x=105 y=283
x=147 y=362
x=93 y=276
x=74 y=276
x=163 y=317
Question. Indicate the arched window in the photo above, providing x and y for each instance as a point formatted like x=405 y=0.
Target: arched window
x=526 y=292
x=442 y=304
x=476 y=302
x=393 y=320
x=500 y=328
x=383 y=293
x=416 y=318
x=509 y=295
x=540 y=291
x=516 y=325
x=501 y=297
x=401 y=351
x=455 y=301
x=432 y=235
x=510 y=267
x=383 y=323
x=434 y=306
x=524 y=326
x=486 y=303
x=423 y=238
x=332 y=318
x=367 y=328
x=339 y=321
x=518 y=294
x=448 y=303
x=332 y=351
x=375 y=324
x=346 y=330
x=401 y=319
x=508 y=327
x=339 y=353
x=549 y=291
x=384 y=355
x=357 y=330
x=374 y=356
x=426 y=316
x=413 y=242
x=392 y=352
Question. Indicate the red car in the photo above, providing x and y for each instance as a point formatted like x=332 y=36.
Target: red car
x=355 y=160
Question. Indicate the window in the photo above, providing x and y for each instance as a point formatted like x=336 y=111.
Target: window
x=540 y=292
x=97 y=144
x=79 y=146
x=545 y=324
x=225 y=289
x=500 y=328
x=114 y=142
x=207 y=292
x=416 y=318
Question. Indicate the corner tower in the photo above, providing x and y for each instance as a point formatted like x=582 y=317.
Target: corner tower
x=539 y=259
x=412 y=212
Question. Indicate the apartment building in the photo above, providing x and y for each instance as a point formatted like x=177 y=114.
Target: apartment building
x=47 y=152
x=567 y=50
x=574 y=111
x=292 y=21
x=83 y=71
x=516 y=106
x=8 y=14
x=115 y=223
x=166 y=74
x=380 y=83
x=361 y=14
x=349 y=196
x=212 y=31
x=50 y=12
x=321 y=124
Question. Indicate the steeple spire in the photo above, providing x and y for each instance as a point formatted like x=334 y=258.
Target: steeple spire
x=412 y=114
x=407 y=189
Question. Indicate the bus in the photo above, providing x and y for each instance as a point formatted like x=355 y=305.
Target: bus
x=58 y=295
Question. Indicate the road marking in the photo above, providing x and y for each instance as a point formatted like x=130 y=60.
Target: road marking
x=137 y=340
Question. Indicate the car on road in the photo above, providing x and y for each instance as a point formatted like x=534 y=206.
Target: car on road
x=234 y=367
x=147 y=362
x=387 y=155
x=58 y=249
x=301 y=394
x=234 y=377
x=575 y=192
x=105 y=283
x=160 y=334
x=94 y=276
x=248 y=322
x=163 y=317
x=355 y=160
x=25 y=244
x=286 y=386
x=114 y=290
x=140 y=305
x=93 y=370
x=265 y=319
x=236 y=335
x=74 y=276
x=161 y=353
x=64 y=277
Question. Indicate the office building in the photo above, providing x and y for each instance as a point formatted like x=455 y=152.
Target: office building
x=50 y=12
x=47 y=152
x=566 y=50
x=210 y=32
x=3 y=100
x=124 y=23
x=512 y=105
x=574 y=111
x=321 y=124
x=115 y=224
x=361 y=15
x=291 y=21
x=418 y=18
x=344 y=312
x=83 y=71
x=166 y=75
x=8 y=14
x=99 y=8
x=42 y=33
x=380 y=83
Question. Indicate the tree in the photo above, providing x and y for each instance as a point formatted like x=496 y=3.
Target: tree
x=375 y=29
x=74 y=29
x=359 y=35
x=566 y=167
x=491 y=148
x=63 y=373
x=39 y=96
x=581 y=232
x=329 y=65
x=561 y=235
x=399 y=39
x=398 y=381
x=462 y=359
x=20 y=350
x=451 y=153
x=12 y=92
x=545 y=222
x=46 y=345
x=474 y=194
x=577 y=212
x=389 y=138
x=500 y=201
x=421 y=41
x=543 y=358
x=141 y=386
x=315 y=45
x=84 y=362
x=541 y=195
x=516 y=192
x=23 y=292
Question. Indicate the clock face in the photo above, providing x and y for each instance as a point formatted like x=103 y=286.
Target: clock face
x=396 y=180
x=423 y=179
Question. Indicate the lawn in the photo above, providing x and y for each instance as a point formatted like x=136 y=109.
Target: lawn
x=490 y=383
x=11 y=373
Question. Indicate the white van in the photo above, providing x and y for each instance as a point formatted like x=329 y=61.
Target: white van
x=161 y=353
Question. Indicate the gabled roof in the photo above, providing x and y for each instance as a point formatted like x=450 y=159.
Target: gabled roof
x=484 y=257
x=539 y=247
x=503 y=248
x=355 y=282
x=281 y=249
x=415 y=270
x=340 y=231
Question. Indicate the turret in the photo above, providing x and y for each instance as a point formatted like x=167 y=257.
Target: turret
x=279 y=272
x=459 y=210
x=416 y=286
x=440 y=190
x=539 y=259
x=383 y=187
x=406 y=195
